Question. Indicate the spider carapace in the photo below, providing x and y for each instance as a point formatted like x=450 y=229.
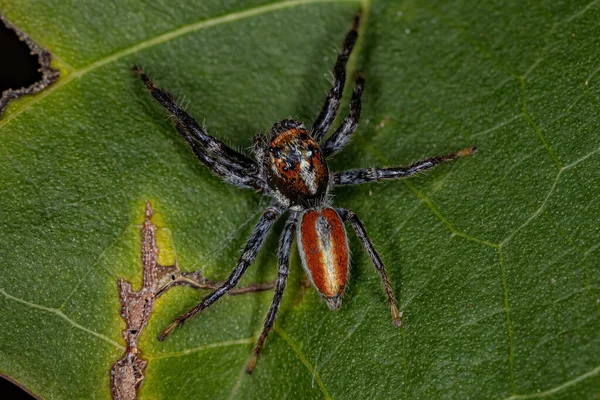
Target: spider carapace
x=290 y=167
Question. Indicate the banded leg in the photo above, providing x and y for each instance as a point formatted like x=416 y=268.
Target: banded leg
x=332 y=103
x=356 y=176
x=361 y=233
x=228 y=174
x=285 y=246
x=227 y=163
x=342 y=135
x=257 y=238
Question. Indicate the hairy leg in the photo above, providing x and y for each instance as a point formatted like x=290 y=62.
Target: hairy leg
x=225 y=162
x=361 y=233
x=332 y=103
x=356 y=176
x=235 y=176
x=285 y=246
x=342 y=135
x=257 y=238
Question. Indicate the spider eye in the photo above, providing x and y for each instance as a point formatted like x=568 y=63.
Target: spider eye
x=285 y=168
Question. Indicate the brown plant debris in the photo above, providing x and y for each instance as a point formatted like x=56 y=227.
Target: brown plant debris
x=49 y=74
x=136 y=307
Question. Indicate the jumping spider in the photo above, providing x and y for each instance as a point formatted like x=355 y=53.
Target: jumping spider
x=290 y=166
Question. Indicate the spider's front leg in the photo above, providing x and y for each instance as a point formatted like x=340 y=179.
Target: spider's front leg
x=332 y=103
x=257 y=238
x=230 y=165
x=361 y=233
x=285 y=246
x=356 y=176
x=342 y=135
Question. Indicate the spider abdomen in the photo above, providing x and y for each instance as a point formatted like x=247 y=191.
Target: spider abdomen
x=323 y=247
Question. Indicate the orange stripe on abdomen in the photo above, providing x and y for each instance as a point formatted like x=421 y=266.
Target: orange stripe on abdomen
x=323 y=247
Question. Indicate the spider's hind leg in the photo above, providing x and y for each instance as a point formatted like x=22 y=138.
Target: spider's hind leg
x=257 y=238
x=361 y=233
x=285 y=246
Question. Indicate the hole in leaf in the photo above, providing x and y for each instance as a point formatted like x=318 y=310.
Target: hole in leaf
x=44 y=78
x=11 y=391
x=19 y=68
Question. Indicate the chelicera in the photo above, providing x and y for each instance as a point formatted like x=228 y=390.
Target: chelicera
x=290 y=167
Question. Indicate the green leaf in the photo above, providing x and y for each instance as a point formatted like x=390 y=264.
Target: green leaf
x=494 y=258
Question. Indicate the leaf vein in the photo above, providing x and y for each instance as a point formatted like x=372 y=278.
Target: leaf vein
x=62 y=315
x=558 y=388
x=290 y=342
x=198 y=349
x=582 y=11
x=511 y=363
x=100 y=257
x=165 y=37
x=537 y=212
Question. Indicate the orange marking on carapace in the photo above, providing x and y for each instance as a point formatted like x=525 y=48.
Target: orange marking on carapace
x=324 y=249
x=301 y=171
x=283 y=141
x=286 y=137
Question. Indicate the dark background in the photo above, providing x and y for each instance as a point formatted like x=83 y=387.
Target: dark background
x=18 y=69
